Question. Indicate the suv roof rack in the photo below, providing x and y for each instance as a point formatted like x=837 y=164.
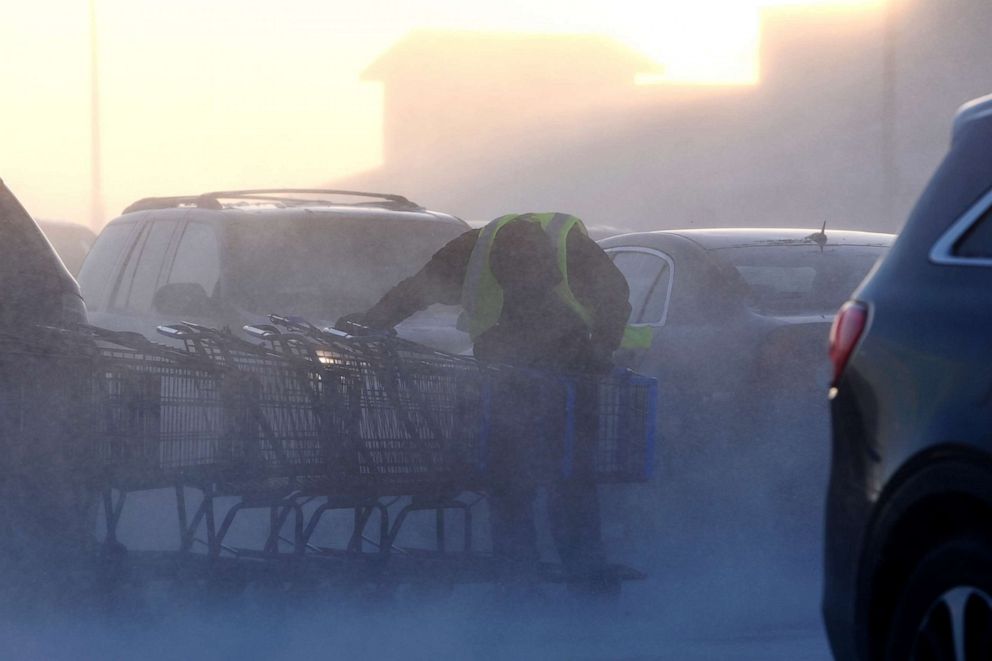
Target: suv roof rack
x=282 y=196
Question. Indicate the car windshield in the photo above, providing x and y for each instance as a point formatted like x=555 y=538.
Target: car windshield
x=800 y=279
x=323 y=268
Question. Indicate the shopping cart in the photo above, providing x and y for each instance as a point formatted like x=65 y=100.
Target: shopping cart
x=619 y=447
x=163 y=415
x=601 y=426
x=411 y=426
x=306 y=422
x=411 y=418
x=273 y=404
x=426 y=422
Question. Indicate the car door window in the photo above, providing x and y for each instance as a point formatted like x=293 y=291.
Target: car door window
x=977 y=241
x=649 y=276
x=968 y=241
x=197 y=258
x=109 y=251
x=144 y=268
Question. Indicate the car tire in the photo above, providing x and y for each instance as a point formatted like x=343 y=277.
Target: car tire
x=945 y=610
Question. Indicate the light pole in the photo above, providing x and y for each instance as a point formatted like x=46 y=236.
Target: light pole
x=888 y=112
x=96 y=183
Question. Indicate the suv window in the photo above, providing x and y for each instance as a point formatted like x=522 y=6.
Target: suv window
x=977 y=241
x=103 y=258
x=322 y=269
x=649 y=275
x=197 y=258
x=141 y=274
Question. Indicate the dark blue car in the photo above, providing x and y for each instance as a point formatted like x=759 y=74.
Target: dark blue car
x=909 y=520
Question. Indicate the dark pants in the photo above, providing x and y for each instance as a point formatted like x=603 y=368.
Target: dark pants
x=527 y=445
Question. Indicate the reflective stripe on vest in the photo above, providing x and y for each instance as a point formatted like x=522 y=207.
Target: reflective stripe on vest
x=482 y=297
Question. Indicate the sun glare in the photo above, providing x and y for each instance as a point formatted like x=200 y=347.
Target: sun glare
x=709 y=42
x=712 y=42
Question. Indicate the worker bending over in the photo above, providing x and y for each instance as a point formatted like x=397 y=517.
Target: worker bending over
x=538 y=293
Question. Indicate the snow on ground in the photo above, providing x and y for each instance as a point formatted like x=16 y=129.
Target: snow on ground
x=472 y=623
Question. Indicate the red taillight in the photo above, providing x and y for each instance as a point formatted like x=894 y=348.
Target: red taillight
x=847 y=328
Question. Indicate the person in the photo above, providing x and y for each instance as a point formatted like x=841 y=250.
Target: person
x=536 y=293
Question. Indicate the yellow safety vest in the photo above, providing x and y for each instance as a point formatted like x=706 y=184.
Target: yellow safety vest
x=637 y=337
x=482 y=296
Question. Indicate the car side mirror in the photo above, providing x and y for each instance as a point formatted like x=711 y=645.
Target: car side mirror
x=183 y=299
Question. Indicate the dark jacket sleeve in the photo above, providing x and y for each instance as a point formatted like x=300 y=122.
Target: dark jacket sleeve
x=439 y=281
x=601 y=288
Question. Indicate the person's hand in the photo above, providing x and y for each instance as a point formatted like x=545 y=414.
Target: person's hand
x=358 y=323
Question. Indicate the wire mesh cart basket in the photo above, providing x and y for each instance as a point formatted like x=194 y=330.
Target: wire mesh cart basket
x=300 y=422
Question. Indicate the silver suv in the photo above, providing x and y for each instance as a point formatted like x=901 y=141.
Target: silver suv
x=227 y=259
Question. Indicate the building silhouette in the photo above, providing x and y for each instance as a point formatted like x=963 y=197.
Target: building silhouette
x=851 y=116
x=445 y=91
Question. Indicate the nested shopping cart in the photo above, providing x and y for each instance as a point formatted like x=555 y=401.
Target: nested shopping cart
x=347 y=426
x=301 y=421
x=237 y=424
x=421 y=422
x=410 y=429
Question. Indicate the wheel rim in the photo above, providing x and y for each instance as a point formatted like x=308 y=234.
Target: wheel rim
x=957 y=627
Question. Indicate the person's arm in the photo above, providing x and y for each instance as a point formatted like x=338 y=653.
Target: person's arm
x=439 y=281
x=601 y=288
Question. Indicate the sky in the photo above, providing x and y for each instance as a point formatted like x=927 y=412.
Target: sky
x=198 y=96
